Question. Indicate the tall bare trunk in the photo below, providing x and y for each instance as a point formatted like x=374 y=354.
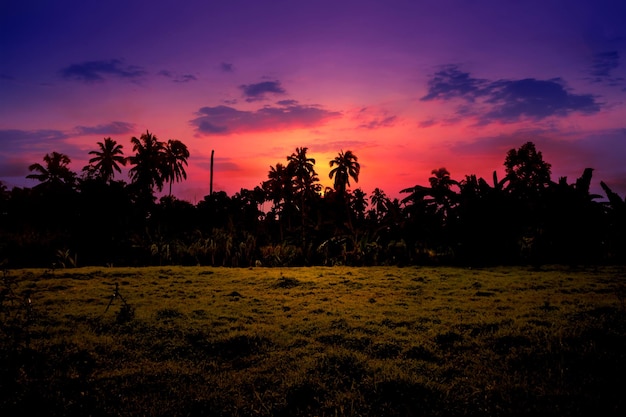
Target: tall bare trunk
x=211 y=181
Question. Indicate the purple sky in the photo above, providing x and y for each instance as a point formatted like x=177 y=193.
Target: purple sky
x=408 y=86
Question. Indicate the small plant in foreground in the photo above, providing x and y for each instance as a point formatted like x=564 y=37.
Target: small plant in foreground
x=126 y=313
x=65 y=258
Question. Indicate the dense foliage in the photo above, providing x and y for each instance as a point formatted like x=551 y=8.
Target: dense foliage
x=94 y=219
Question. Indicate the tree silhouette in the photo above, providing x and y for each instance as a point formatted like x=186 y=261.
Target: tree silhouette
x=347 y=167
x=616 y=223
x=526 y=170
x=280 y=191
x=443 y=197
x=380 y=202
x=55 y=172
x=175 y=155
x=524 y=217
x=107 y=159
x=148 y=171
x=302 y=167
x=358 y=204
x=571 y=224
x=305 y=181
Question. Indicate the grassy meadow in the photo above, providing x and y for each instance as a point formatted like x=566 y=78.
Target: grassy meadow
x=340 y=341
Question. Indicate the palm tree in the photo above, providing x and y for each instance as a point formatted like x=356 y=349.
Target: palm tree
x=443 y=196
x=347 y=167
x=148 y=170
x=305 y=180
x=279 y=189
x=302 y=169
x=358 y=204
x=55 y=172
x=107 y=159
x=380 y=202
x=441 y=179
x=176 y=154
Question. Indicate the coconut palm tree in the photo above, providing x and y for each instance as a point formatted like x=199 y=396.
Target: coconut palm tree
x=358 y=204
x=176 y=154
x=380 y=202
x=305 y=181
x=107 y=159
x=347 y=167
x=148 y=169
x=303 y=170
x=54 y=172
x=279 y=190
x=443 y=196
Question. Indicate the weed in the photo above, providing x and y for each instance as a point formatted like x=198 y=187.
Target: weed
x=65 y=258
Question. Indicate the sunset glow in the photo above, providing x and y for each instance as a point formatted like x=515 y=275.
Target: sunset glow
x=408 y=86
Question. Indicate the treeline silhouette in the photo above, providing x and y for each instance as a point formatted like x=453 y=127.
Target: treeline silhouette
x=290 y=219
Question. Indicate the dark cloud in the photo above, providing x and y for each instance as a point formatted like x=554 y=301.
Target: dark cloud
x=7 y=77
x=178 y=78
x=113 y=128
x=535 y=100
x=378 y=123
x=258 y=91
x=227 y=67
x=427 y=123
x=507 y=101
x=451 y=83
x=225 y=120
x=98 y=71
x=287 y=102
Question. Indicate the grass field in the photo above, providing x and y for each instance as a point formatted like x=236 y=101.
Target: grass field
x=419 y=341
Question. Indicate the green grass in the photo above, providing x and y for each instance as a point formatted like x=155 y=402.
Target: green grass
x=315 y=341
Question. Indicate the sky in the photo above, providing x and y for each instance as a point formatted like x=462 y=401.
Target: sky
x=407 y=85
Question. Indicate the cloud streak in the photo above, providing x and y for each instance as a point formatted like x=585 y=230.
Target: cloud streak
x=12 y=140
x=223 y=120
x=99 y=71
x=113 y=128
x=178 y=78
x=603 y=67
x=604 y=64
x=15 y=139
x=507 y=101
x=379 y=123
